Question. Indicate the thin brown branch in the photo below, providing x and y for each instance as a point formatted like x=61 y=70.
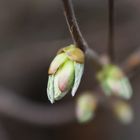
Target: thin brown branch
x=132 y=62
x=77 y=35
x=73 y=25
x=111 y=30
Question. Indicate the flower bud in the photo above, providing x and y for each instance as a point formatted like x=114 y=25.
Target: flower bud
x=114 y=82
x=123 y=112
x=65 y=72
x=86 y=106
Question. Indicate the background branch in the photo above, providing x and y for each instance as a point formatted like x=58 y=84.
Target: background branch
x=111 y=30
x=14 y=106
x=132 y=62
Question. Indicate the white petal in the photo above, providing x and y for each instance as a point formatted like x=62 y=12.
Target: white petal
x=50 y=88
x=79 y=68
x=127 y=90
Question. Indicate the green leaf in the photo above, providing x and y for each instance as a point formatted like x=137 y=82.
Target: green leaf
x=85 y=107
x=63 y=80
x=114 y=82
x=57 y=62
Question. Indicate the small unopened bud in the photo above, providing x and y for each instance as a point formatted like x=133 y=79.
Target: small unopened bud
x=65 y=72
x=85 y=107
x=114 y=82
x=123 y=112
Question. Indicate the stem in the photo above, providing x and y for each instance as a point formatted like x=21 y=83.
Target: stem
x=73 y=25
x=111 y=30
x=132 y=62
x=77 y=35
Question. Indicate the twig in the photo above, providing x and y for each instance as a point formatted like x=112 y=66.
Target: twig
x=132 y=62
x=73 y=25
x=111 y=30
x=77 y=35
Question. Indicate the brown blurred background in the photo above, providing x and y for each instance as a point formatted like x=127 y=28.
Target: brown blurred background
x=30 y=33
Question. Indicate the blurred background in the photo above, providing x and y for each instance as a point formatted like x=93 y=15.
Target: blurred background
x=31 y=31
